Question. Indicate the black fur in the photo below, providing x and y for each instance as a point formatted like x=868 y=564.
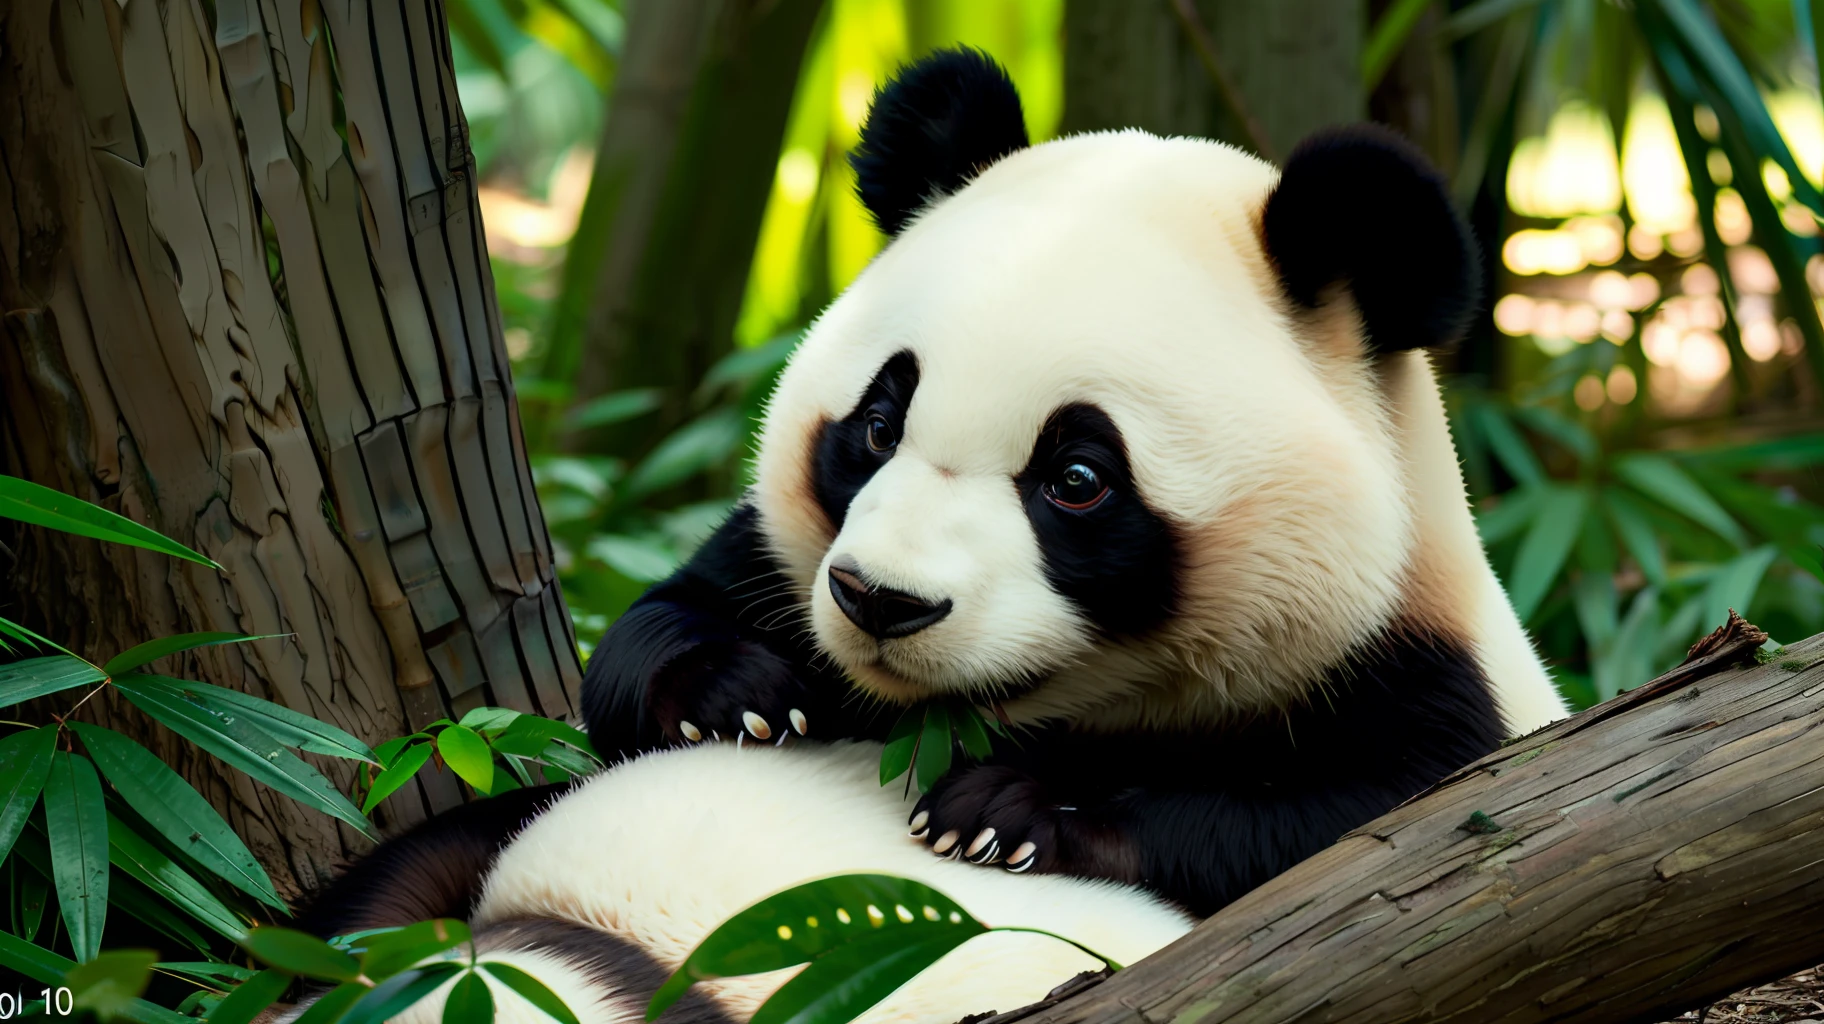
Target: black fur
x=611 y=962
x=843 y=463
x=726 y=634
x=1204 y=817
x=1117 y=561
x=938 y=123
x=433 y=870
x=1361 y=206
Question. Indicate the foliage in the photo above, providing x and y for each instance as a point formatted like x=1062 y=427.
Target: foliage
x=926 y=736
x=863 y=936
x=183 y=873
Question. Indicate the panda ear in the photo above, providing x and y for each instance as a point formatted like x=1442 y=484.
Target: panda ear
x=938 y=123
x=1361 y=206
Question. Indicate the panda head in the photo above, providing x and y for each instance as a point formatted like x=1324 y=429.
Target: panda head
x=1108 y=417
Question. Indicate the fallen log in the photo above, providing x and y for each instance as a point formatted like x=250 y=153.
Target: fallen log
x=1634 y=861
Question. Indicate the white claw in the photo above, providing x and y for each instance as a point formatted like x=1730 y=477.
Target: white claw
x=945 y=841
x=917 y=824
x=690 y=732
x=982 y=839
x=756 y=725
x=798 y=721
x=1023 y=857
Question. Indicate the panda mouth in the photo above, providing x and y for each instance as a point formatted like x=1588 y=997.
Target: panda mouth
x=883 y=681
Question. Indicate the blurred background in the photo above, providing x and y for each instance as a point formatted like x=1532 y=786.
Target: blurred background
x=668 y=203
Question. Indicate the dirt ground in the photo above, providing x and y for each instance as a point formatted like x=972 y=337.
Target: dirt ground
x=1795 y=1000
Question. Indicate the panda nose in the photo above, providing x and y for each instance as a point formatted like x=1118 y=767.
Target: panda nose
x=882 y=612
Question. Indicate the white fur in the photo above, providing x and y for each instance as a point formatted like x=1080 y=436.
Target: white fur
x=1316 y=503
x=661 y=850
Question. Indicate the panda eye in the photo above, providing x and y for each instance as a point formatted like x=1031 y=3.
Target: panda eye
x=881 y=437
x=1076 y=487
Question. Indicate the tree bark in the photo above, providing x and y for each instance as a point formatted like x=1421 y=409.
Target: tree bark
x=277 y=347
x=681 y=179
x=1294 y=66
x=1641 y=858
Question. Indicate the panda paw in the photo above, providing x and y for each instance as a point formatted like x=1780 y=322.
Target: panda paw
x=739 y=691
x=993 y=814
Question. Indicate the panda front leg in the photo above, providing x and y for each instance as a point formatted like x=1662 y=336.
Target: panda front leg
x=719 y=651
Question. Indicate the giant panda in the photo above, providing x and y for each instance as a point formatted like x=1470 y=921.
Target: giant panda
x=1133 y=442
x=1136 y=443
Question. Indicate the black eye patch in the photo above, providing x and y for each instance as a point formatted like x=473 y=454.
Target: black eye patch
x=1117 y=560
x=844 y=461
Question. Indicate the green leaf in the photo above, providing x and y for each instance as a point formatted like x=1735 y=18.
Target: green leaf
x=1507 y=444
x=34 y=962
x=971 y=731
x=844 y=983
x=1735 y=584
x=107 y=985
x=30 y=503
x=1388 y=35
x=1545 y=547
x=469 y=1001
x=807 y=922
x=468 y=756
x=24 y=680
x=127 y=894
x=1511 y=512
x=239 y=743
x=291 y=728
x=1574 y=436
x=902 y=744
x=27 y=637
x=1477 y=16
x=139 y=858
x=30 y=894
x=489 y=721
x=392 y=996
x=530 y=989
x=297 y=953
x=1661 y=479
x=76 y=821
x=25 y=762
x=393 y=951
x=206 y=970
x=331 y=1005
x=250 y=997
x=639 y=560
x=1637 y=534
x=710 y=440
x=386 y=753
x=614 y=407
x=152 y=650
x=935 y=748
x=531 y=729
x=1598 y=607
x=176 y=810
x=748 y=364
x=397 y=774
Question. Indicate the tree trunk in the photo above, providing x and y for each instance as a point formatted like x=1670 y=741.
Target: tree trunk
x=1208 y=67
x=1644 y=857
x=277 y=347
x=681 y=179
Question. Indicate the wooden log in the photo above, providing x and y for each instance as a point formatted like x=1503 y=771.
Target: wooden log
x=1639 y=859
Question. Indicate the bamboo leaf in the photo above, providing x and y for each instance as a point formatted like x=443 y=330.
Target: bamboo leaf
x=808 y=922
x=295 y=952
x=238 y=743
x=935 y=748
x=844 y=983
x=76 y=821
x=614 y=407
x=707 y=441
x=1507 y=444
x=250 y=997
x=396 y=950
x=176 y=810
x=1386 y=39
x=971 y=732
x=291 y=728
x=531 y=990
x=31 y=678
x=469 y=1001
x=152 y=650
x=1661 y=479
x=394 y=995
x=331 y=1005
x=27 y=637
x=1477 y=16
x=31 y=503
x=208 y=971
x=468 y=756
x=1545 y=547
x=25 y=764
x=397 y=774
x=1735 y=584
x=1637 y=534
x=107 y=985
x=902 y=744
x=532 y=728
x=34 y=962
x=139 y=858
